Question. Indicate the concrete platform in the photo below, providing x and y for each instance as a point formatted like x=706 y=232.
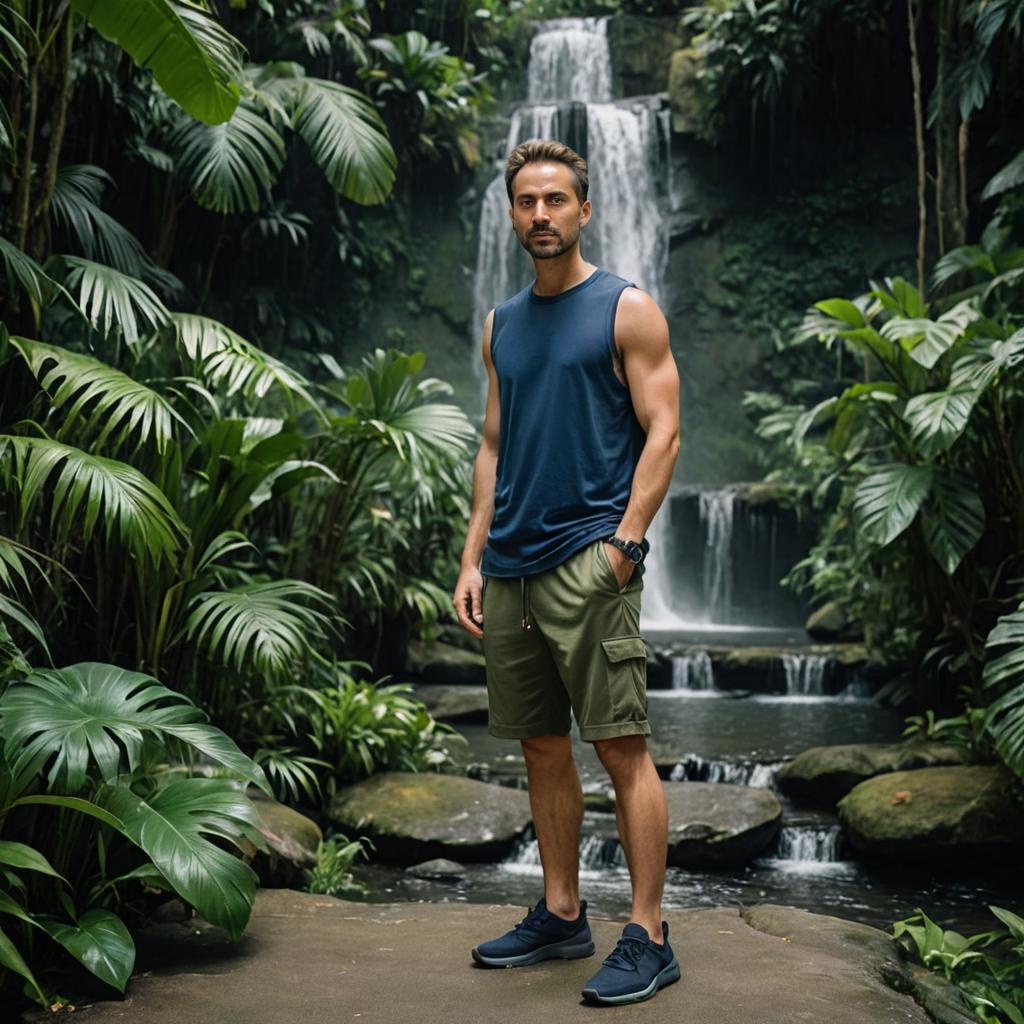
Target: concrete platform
x=317 y=960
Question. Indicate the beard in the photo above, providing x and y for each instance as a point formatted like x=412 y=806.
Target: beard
x=555 y=247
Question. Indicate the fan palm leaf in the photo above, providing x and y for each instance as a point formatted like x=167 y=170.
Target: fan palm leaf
x=1004 y=673
x=129 y=506
x=112 y=299
x=346 y=137
x=260 y=627
x=229 y=167
x=23 y=272
x=94 y=396
x=227 y=361
x=194 y=59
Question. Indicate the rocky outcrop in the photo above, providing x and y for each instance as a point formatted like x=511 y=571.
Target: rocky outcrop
x=415 y=816
x=433 y=662
x=717 y=824
x=823 y=775
x=944 y=814
x=827 y=622
x=641 y=50
x=453 y=703
x=683 y=86
x=292 y=840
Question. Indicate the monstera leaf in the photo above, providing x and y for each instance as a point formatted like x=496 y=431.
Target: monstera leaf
x=99 y=941
x=170 y=826
x=100 y=714
x=887 y=500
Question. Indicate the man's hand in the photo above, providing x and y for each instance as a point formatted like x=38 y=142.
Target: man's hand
x=622 y=565
x=468 y=601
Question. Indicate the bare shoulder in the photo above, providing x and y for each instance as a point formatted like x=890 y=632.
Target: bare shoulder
x=486 y=343
x=639 y=321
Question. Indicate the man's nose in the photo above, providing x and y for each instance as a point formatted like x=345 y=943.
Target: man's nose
x=540 y=215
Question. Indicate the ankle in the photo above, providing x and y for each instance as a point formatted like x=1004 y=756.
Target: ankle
x=567 y=911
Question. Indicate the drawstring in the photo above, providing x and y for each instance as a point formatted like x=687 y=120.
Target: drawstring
x=524 y=591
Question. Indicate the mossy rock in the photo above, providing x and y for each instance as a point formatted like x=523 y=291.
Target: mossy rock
x=944 y=814
x=718 y=824
x=434 y=662
x=823 y=775
x=417 y=816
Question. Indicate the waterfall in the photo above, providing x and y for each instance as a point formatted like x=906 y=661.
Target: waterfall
x=756 y=774
x=693 y=671
x=626 y=144
x=805 y=673
x=817 y=843
x=716 y=517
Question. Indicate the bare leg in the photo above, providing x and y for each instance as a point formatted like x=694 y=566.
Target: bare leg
x=556 y=800
x=641 y=813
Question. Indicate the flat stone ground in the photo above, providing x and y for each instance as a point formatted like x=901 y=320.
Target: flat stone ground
x=313 y=959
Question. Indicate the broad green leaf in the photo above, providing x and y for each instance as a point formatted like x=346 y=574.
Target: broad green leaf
x=887 y=500
x=92 y=713
x=170 y=827
x=937 y=419
x=194 y=59
x=1004 y=719
x=927 y=340
x=100 y=942
x=13 y=961
x=842 y=309
x=953 y=517
x=19 y=855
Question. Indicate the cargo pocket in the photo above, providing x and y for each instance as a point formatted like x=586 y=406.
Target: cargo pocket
x=627 y=677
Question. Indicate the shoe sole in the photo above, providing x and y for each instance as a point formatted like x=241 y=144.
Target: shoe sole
x=554 y=951
x=664 y=977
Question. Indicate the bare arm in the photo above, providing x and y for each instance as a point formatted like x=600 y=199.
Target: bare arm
x=641 y=334
x=467 y=599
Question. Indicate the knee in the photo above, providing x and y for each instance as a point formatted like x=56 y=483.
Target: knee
x=547 y=750
x=622 y=754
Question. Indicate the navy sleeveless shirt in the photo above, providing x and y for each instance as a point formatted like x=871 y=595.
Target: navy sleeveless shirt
x=569 y=439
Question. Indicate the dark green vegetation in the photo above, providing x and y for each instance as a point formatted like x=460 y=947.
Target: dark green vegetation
x=214 y=523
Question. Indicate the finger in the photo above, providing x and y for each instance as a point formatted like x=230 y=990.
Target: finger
x=477 y=605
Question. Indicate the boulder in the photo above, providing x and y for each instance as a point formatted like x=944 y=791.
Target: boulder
x=292 y=840
x=823 y=775
x=453 y=703
x=414 y=816
x=641 y=50
x=433 y=662
x=438 y=868
x=718 y=824
x=943 y=814
x=827 y=622
x=683 y=89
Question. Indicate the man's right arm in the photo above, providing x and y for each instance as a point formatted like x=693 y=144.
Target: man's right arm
x=468 y=597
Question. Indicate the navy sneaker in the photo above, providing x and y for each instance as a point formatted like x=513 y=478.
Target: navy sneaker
x=541 y=935
x=635 y=969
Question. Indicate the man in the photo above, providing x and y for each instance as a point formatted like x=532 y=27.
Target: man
x=580 y=437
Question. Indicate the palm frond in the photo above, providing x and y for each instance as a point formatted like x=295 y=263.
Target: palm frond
x=229 y=167
x=112 y=299
x=95 y=396
x=94 y=490
x=23 y=271
x=260 y=627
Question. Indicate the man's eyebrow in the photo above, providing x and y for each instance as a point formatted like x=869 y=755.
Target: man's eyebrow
x=550 y=192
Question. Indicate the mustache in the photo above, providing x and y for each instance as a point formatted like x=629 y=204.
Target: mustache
x=544 y=231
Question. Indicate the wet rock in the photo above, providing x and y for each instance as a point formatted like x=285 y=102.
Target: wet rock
x=683 y=89
x=827 y=622
x=439 y=867
x=414 y=816
x=433 y=662
x=945 y=814
x=823 y=775
x=453 y=703
x=641 y=50
x=718 y=824
x=292 y=840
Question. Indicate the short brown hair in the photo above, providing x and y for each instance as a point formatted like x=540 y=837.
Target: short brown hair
x=536 y=150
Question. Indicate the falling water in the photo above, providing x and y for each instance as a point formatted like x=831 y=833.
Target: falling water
x=626 y=145
x=805 y=673
x=716 y=516
x=693 y=671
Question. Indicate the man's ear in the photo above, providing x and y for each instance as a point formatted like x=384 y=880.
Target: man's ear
x=585 y=211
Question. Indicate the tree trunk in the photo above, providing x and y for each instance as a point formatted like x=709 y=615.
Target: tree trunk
x=950 y=216
x=913 y=19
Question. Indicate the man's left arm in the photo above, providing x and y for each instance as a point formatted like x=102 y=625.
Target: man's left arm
x=641 y=336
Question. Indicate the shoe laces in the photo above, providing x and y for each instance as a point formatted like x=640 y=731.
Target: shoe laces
x=535 y=916
x=627 y=953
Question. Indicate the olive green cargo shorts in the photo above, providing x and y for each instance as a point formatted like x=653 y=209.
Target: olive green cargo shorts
x=582 y=651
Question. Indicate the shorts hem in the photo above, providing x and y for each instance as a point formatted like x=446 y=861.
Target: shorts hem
x=612 y=729
x=526 y=732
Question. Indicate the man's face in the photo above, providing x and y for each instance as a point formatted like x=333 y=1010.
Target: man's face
x=545 y=212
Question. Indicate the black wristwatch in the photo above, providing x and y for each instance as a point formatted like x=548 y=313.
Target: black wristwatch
x=632 y=549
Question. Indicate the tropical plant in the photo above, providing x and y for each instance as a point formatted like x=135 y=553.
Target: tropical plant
x=92 y=804
x=331 y=875
x=992 y=982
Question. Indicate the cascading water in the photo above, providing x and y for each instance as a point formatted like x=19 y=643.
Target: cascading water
x=626 y=144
